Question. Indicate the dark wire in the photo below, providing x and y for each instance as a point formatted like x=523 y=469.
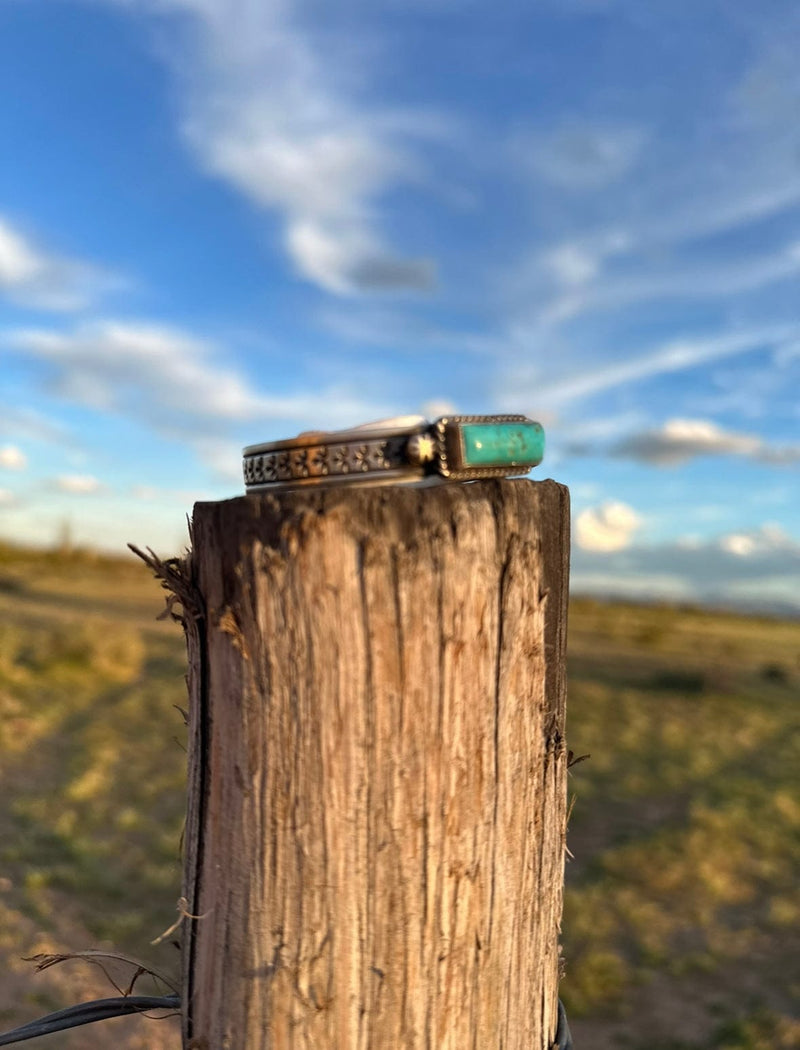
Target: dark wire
x=563 y=1034
x=101 y=1009
x=85 y=1013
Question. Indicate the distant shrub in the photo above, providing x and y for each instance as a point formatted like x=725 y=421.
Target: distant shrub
x=763 y=1030
x=775 y=672
x=679 y=681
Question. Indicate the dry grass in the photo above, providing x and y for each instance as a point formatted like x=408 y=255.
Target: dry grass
x=681 y=903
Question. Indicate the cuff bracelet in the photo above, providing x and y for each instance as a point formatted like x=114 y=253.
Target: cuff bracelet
x=404 y=450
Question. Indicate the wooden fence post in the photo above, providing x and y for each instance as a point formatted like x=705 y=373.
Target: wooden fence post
x=375 y=833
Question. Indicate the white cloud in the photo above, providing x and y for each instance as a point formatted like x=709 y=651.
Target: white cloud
x=609 y=527
x=583 y=288
x=165 y=497
x=78 y=484
x=703 y=204
x=435 y=409
x=762 y=388
x=145 y=492
x=743 y=168
x=282 y=115
x=343 y=258
x=572 y=263
x=646 y=584
x=112 y=365
x=7 y=498
x=20 y=421
x=223 y=459
x=759 y=568
x=768 y=540
x=20 y=264
x=588 y=433
x=740 y=545
x=736 y=169
x=522 y=385
x=164 y=378
x=768 y=95
x=679 y=440
x=581 y=155
x=406 y=333
x=12 y=458
x=32 y=276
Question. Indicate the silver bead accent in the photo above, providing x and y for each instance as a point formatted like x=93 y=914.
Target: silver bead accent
x=420 y=449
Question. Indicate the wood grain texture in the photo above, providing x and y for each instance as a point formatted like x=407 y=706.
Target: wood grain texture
x=375 y=834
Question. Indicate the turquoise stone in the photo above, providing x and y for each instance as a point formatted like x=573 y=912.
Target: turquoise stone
x=502 y=444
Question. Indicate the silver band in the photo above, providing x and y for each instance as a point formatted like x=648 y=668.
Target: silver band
x=403 y=450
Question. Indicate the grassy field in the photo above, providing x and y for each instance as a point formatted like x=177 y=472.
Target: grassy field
x=682 y=906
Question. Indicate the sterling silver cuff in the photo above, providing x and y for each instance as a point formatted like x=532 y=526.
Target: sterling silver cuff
x=403 y=450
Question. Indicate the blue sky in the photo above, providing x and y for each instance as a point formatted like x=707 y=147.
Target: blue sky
x=226 y=221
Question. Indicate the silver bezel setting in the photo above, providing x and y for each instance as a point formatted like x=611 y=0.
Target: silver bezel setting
x=450 y=443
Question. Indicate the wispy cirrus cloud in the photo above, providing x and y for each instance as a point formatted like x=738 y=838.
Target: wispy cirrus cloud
x=522 y=386
x=31 y=275
x=282 y=116
x=166 y=378
x=79 y=484
x=581 y=155
x=650 y=224
x=134 y=367
x=403 y=331
x=24 y=423
x=577 y=268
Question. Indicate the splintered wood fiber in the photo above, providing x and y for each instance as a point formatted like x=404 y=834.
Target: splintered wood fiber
x=375 y=836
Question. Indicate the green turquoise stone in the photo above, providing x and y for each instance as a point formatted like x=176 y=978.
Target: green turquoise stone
x=502 y=444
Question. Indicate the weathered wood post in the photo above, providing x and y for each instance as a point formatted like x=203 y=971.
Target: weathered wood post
x=375 y=835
